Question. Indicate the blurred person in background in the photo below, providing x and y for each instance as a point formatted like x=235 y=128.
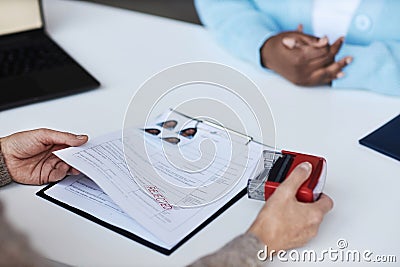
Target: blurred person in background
x=343 y=43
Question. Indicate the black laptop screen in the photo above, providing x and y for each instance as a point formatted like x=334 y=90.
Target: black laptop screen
x=19 y=15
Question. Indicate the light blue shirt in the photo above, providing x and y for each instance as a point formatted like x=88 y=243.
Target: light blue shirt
x=373 y=38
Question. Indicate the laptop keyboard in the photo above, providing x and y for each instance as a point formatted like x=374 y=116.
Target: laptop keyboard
x=38 y=55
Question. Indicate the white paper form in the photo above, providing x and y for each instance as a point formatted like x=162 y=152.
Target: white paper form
x=102 y=160
x=187 y=171
x=188 y=175
x=82 y=193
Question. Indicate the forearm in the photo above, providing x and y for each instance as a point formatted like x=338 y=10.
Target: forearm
x=241 y=251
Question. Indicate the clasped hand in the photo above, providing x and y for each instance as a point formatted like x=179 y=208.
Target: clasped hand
x=304 y=59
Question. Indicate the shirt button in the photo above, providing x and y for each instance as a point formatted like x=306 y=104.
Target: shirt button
x=363 y=22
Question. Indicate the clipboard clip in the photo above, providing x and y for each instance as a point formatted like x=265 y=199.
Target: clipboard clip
x=220 y=127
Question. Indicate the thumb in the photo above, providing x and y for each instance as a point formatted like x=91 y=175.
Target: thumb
x=297 y=177
x=52 y=137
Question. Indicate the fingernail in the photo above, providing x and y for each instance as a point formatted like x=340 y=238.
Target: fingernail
x=340 y=75
x=306 y=166
x=289 y=42
x=81 y=137
x=349 y=60
x=323 y=40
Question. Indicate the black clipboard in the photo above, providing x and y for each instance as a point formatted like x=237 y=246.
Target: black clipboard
x=132 y=236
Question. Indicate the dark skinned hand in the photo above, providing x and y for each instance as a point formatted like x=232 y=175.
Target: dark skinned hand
x=303 y=59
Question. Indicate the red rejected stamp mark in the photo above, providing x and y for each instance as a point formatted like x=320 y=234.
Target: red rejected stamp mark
x=157 y=196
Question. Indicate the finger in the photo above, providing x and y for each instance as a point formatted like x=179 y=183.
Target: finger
x=324 y=204
x=300 y=28
x=321 y=62
x=322 y=42
x=335 y=47
x=301 y=39
x=313 y=52
x=340 y=65
x=297 y=177
x=47 y=166
x=313 y=40
x=59 y=172
x=329 y=73
x=73 y=171
x=51 y=137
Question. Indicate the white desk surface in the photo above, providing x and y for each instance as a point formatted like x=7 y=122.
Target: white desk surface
x=122 y=49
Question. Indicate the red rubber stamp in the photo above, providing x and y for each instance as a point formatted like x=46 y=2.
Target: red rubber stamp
x=277 y=167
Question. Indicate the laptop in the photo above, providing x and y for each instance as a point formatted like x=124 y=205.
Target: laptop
x=33 y=67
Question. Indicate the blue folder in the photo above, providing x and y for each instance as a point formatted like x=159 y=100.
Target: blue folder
x=385 y=139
